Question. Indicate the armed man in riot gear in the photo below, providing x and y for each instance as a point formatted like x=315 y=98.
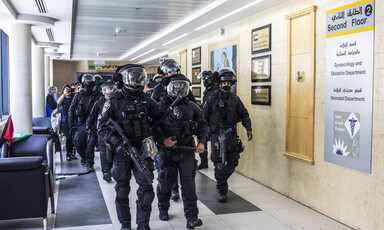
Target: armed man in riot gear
x=182 y=119
x=210 y=81
x=108 y=89
x=167 y=69
x=124 y=123
x=223 y=111
x=78 y=113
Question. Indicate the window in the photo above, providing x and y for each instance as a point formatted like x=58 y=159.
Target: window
x=4 y=74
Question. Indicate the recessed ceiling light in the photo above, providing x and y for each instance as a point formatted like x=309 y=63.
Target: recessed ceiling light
x=174 y=27
x=142 y=54
x=175 y=39
x=227 y=15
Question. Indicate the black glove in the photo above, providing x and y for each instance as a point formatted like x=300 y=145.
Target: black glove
x=120 y=150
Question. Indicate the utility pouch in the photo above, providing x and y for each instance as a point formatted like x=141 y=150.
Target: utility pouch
x=240 y=146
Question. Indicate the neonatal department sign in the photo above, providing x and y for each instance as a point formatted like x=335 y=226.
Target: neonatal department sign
x=349 y=84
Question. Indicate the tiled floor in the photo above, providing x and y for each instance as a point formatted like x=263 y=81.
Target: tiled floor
x=278 y=212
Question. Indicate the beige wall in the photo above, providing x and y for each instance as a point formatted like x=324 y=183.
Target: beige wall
x=352 y=197
x=64 y=72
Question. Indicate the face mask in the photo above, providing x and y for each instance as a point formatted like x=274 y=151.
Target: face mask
x=88 y=86
x=226 y=88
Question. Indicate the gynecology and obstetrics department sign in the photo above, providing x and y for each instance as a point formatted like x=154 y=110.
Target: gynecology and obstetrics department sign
x=349 y=84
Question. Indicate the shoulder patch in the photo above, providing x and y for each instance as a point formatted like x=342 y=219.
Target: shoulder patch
x=106 y=106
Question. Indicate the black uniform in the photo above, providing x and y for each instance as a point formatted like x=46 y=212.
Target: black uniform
x=78 y=113
x=91 y=125
x=131 y=110
x=172 y=161
x=207 y=93
x=224 y=110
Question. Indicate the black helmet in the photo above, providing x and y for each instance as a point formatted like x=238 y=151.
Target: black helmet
x=118 y=78
x=227 y=74
x=87 y=78
x=134 y=76
x=98 y=79
x=178 y=85
x=209 y=78
x=109 y=88
x=168 y=66
x=157 y=78
x=88 y=82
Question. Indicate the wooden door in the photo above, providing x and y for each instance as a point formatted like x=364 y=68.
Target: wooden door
x=301 y=85
x=183 y=62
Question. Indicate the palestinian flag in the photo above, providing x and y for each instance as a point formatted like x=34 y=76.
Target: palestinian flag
x=7 y=133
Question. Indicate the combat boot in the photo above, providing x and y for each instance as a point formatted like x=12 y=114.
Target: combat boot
x=194 y=222
x=143 y=227
x=175 y=195
x=202 y=166
x=163 y=215
x=125 y=227
x=107 y=177
x=222 y=197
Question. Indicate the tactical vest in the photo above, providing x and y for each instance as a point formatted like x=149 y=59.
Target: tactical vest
x=133 y=116
x=182 y=127
x=84 y=106
x=224 y=114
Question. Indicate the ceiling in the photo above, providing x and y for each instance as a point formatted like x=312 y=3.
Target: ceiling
x=122 y=30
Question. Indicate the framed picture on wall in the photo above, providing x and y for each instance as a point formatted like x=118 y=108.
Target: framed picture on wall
x=261 y=69
x=261 y=39
x=261 y=95
x=196 y=56
x=195 y=73
x=224 y=57
x=196 y=91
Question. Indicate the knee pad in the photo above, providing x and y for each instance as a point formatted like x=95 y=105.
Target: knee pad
x=145 y=195
x=168 y=173
x=220 y=167
x=122 y=192
x=147 y=199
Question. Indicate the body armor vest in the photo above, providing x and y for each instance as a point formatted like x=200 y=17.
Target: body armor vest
x=224 y=114
x=133 y=116
x=84 y=106
x=182 y=127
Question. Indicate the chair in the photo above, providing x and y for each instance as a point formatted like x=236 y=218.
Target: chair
x=25 y=188
x=35 y=145
x=42 y=125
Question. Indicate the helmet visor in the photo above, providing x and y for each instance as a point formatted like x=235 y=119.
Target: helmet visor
x=178 y=87
x=108 y=89
x=170 y=66
x=134 y=77
x=87 y=78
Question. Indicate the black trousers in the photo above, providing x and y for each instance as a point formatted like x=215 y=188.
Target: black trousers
x=105 y=165
x=68 y=138
x=170 y=163
x=85 y=144
x=232 y=160
x=122 y=172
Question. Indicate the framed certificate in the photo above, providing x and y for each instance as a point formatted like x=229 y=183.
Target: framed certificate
x=196 y=56
x=196 y=91
x=261 y=69
x=261 y=95
x=261 y=39
x=195 y=73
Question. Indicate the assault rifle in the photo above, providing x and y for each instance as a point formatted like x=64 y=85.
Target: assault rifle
x=223 y=143
x=179 y=97
x=138 y=159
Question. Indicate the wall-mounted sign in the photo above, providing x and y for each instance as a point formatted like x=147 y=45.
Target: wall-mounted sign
x=349 y=84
